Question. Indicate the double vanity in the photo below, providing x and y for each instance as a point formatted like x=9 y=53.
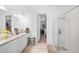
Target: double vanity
x=14 y=44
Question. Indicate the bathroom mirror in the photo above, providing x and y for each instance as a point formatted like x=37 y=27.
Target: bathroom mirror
x=8 y=22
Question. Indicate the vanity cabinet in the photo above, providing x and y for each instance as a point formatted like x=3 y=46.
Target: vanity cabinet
x=22 y=43
x=16 y=45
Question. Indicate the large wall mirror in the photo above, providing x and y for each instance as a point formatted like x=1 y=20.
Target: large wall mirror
x=8 y=22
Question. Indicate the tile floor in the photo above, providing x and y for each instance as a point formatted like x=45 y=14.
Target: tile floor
x=40 y=48
x=42 y=40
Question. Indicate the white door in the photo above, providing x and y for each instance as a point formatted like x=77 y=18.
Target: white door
x=38 y=27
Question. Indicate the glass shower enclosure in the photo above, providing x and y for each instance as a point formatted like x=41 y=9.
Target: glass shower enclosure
x=66 y=31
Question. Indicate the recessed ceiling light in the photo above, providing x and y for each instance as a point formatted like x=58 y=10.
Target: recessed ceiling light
x=2 y=7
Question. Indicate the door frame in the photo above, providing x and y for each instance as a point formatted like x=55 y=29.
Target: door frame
x=38 y=36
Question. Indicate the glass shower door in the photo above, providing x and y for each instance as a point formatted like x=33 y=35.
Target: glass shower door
x=63 y=33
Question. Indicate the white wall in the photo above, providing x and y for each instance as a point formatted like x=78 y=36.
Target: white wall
x=2 y=19
x=72 y=40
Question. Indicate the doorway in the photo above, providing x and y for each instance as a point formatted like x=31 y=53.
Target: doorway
x=42 y=28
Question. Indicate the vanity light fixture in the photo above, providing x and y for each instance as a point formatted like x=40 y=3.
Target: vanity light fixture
x=17 y=14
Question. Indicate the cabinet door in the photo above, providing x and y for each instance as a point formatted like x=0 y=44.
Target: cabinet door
x=3 y=49
x=10 y=47
x=22 y=43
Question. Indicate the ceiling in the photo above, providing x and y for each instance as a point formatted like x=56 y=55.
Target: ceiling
x=55 y=10
x=35 y=8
